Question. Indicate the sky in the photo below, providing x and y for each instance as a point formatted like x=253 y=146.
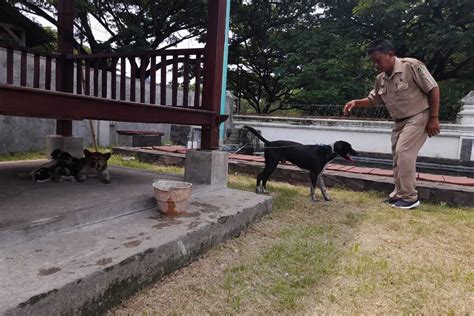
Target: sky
x=102 y=35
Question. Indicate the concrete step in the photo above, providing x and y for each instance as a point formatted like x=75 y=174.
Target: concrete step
x=88 y=269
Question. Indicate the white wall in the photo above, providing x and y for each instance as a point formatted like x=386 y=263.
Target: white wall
x=366 y=136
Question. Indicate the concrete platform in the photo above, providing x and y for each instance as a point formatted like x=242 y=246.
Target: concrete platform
x=82 y=247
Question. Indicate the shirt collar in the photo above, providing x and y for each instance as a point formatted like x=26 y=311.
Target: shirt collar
x=397 y=67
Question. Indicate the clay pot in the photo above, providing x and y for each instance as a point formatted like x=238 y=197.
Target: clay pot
x=172 y=197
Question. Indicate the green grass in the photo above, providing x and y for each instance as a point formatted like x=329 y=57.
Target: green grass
x=22 y=156
x=295 y=263
x=117 y=160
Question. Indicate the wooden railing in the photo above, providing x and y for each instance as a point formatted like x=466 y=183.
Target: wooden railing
x=37 y=78
x=163 y=77
x=144 y=70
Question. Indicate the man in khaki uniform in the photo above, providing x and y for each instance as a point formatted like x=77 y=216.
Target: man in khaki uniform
x=411 y=96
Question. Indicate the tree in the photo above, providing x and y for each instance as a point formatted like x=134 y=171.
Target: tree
x=320 y=58
x=438 y=32
x=259 y=53
x=130 y=24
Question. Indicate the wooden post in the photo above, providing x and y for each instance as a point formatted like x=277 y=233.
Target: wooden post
x=212 y=88
x=64 y=68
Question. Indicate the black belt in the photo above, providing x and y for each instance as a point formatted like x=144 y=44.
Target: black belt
x=402 y=119
x=406 y=118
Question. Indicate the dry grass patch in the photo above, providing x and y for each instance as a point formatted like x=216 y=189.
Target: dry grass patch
x=351 y=255
x=417 y=261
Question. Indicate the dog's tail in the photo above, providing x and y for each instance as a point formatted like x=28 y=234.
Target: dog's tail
x=256 y=133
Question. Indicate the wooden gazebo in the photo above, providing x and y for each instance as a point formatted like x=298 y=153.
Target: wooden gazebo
x=83 y=89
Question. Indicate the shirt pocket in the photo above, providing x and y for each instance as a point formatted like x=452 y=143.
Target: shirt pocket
x=401 y=91
x=400 y=87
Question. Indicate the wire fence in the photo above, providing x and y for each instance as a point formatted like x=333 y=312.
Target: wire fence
x=446 y=113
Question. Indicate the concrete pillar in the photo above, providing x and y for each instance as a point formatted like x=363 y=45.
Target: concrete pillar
x=466 y=116
x=103 y=133
x=72 y=144
x=206 y=167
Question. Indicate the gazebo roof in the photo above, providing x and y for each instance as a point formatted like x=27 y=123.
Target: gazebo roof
x=35 y=34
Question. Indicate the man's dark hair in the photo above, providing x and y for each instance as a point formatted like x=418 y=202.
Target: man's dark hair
x=379 y=45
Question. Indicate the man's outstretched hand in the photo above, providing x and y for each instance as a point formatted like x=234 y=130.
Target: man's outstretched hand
x=349 y=106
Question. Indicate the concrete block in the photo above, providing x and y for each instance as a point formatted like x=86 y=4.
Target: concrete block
x=440 y=195
x=72 y=144
x=146 y=140
x=124 y=140
x=139 y=138
x=356 y=184
x=423 y=193
x=206 y=167
x=381 y=185
x=465 y=198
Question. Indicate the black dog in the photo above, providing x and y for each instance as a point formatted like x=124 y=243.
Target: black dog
x=309 y=157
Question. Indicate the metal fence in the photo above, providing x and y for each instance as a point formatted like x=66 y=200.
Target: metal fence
x=446 y=113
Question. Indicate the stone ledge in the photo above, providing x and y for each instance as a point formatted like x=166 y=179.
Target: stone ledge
x=90 y=269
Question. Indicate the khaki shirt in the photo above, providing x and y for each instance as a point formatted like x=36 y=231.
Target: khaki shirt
x=405 y=92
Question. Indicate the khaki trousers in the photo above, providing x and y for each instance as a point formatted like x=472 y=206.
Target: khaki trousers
x=408 y=136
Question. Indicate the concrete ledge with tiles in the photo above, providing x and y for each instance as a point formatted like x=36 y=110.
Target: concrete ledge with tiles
x=436 y=188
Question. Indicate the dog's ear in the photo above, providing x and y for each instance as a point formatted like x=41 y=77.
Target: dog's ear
x=107 y=156
x=55 y=153
x=87 y=153
x=338 y=147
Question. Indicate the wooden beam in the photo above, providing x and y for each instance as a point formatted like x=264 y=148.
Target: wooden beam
x=65 y=68
x=29 y=102
x=213 y=60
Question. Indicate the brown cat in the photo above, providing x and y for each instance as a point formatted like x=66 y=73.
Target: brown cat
x=93 y=163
